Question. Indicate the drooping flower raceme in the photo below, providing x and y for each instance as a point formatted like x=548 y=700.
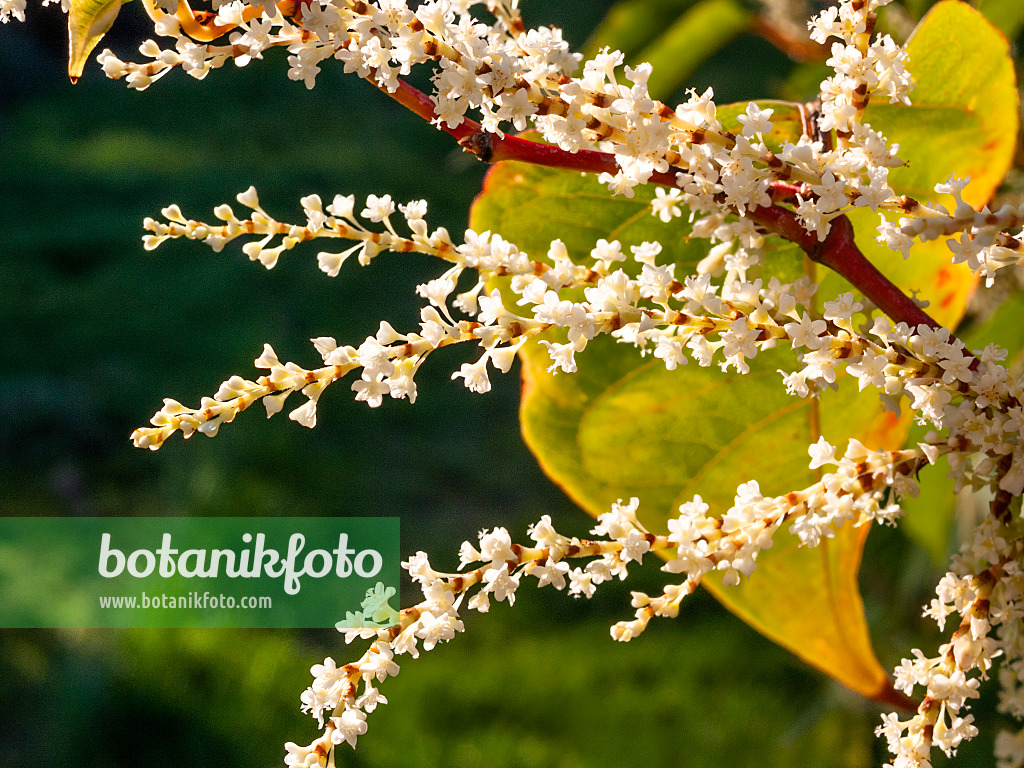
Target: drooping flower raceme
x=697 y=544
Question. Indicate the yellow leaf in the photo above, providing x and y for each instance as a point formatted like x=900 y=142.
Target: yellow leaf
x=88 y=21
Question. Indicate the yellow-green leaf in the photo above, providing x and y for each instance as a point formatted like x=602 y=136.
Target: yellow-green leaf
x=963 y=119
x=88 y=21
x=612 y=431
x=1008 y=15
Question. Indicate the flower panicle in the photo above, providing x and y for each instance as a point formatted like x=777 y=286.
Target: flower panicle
x=236 y=394
x=511 y=76
x=696 y=318
x=984 y=591
x=337 y=221
x=696 y=545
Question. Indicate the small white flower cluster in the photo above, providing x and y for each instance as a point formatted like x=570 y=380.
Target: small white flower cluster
x=374 y=611
x=696 y=545
x=236 y=394
x=731 y=543
x=862 y=67
x=379 y=41
x=337 y=221
x=335 y=688
x=984 y=242
x=15 y=9
x=512 y=76
x=12 y=8
x=986 y=592
x=972 y=399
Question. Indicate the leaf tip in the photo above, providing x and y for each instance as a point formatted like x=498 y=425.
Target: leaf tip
x=88 y=21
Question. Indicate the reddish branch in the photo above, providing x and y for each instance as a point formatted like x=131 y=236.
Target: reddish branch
x=838 y=252
x=792 y=39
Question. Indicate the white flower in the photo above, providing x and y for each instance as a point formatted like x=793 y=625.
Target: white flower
x=351 y=724
x=822 y=453
x=634 y=546
x=378 y=208
x=563 y=356
x=435 y=629
x=666 y=204
x=501 y=583
x=496 y=546
x=475 y=376
x=581 y=583
x=756 y=120
x=552 y=573
x=807 y=332
x=378 y=662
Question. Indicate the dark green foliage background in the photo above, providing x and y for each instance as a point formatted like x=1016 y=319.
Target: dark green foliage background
x=95 y=331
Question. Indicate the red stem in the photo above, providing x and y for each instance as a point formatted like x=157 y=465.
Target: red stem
x=838 y=252
x=421 y=104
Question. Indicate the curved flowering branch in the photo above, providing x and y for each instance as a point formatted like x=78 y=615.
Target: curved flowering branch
x=839 y=252
x=697 y=544
x=988 y=603
x=654 y=311
x=513 y=75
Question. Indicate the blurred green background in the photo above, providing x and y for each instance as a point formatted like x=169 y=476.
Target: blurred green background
x=96 y=332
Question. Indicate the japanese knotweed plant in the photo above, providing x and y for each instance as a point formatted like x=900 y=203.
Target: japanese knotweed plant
x=699 y=237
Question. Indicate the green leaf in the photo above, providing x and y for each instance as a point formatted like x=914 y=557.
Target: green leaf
x=675 y=37
x=963 y=119
x=625 y=426
x=88 y=21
